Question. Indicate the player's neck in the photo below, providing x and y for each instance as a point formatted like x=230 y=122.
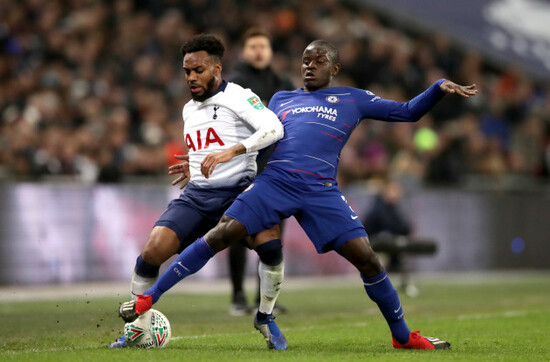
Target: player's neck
x=219 y=86
x=306 y=89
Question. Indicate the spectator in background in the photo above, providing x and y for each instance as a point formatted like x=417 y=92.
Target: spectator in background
x=390 y=231
x=67 y=66
x=253 y=71
x=384 y=216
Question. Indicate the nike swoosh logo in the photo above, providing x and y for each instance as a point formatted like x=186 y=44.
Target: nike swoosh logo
x=397 y=310
x=354 y=217
x=283 y=104
x=183 y=266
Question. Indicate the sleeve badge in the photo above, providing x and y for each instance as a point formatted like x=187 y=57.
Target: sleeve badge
x=255 y=102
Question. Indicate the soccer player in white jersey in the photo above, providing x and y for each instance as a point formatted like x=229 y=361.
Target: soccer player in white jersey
x=224 y=127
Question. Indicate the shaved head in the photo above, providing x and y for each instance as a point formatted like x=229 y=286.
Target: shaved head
x=332 y=53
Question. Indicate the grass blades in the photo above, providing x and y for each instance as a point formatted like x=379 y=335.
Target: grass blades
x=504 y=319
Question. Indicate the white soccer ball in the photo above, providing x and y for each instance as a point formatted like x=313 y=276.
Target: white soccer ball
x=150 y=330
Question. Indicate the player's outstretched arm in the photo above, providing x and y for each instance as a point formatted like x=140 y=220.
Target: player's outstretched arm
x=413 y=110
x=180 y=168
x=466 y=91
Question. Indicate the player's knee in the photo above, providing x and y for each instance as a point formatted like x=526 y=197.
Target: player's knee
x=368 y=263
x=151 y=255
x=359 y=252
x=370 y=267
x=225 y=233
x=271 y=252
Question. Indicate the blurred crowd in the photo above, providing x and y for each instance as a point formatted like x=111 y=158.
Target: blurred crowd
x=93 y=90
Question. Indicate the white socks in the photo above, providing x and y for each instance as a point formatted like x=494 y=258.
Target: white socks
x=140 y=285
x=271 y=278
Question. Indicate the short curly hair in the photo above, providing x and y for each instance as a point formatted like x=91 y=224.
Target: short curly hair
x=207 y=42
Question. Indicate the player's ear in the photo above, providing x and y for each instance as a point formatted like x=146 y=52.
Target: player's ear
x=336 y=69
x=217 y=69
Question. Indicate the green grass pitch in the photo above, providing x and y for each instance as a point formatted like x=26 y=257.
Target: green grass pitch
x=492 y=319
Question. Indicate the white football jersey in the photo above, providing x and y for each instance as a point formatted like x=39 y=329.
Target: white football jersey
x=220 y=122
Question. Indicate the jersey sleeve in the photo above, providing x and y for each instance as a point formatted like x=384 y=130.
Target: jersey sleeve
x=186 y=110
x=268 y=127
x=374 y=107
x=183 y=115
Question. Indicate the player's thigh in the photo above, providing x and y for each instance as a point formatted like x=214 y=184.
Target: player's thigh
x=359 y=252
x=226 y=232
x=263 y=205
x=328 y=220
x=185 y=222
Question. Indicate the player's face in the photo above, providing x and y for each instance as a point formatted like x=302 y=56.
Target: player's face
x=257 y=52
x=317 y=68
x=203 y=74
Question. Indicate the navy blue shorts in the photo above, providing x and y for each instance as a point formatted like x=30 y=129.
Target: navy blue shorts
x=196 y=211
x=324 y=215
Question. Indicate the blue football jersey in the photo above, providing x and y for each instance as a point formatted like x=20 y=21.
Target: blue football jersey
x=318 y=124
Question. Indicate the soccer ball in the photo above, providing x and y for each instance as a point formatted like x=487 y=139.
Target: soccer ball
x=150 y=330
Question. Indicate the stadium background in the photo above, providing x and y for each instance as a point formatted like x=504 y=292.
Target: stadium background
x=90 y=102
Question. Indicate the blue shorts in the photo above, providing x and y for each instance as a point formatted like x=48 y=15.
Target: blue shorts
x=324 y=215
x=196 y=211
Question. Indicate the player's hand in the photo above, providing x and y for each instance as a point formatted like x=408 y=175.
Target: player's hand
x=465 y=91
x=180 y=168
x=210 y=162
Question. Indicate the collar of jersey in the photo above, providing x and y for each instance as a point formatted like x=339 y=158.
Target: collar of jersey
x=329 y=89
x=221 y=88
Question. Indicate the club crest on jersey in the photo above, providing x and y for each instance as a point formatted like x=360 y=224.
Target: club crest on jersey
x=255 y=102
x=333 y=99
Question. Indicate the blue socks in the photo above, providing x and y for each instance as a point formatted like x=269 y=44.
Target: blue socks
x=191 y=260
x=382 y=292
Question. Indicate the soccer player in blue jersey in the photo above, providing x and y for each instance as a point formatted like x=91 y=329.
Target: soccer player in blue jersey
x=300 y=181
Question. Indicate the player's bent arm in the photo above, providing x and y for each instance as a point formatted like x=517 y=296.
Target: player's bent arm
x=270 y=131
